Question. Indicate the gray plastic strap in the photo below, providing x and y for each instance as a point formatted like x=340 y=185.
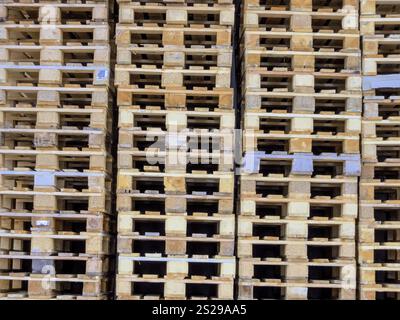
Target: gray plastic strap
x=381 y=81
x=44 y=179
x=302 y=165
x=303 y=162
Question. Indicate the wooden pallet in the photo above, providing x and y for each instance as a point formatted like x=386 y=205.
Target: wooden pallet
x=300 y=142
x=379 y=281
x=173 y=192
x=155 y=161
x=371 y=211
x=302 y=122
x=50 y=242
x=381 y=129
x=380 y=58
x=176 y=2
x=301 y=187
x=295 y=250
x=51 y=157
x=280 y=38
x=317 y=290
x=170 y=57
x=25 y=157
x=55 y=190
x=27 y=255
x=54 y=138
x=341 y=62
x=174 y=223
x=78 y=34
x=49 y=132
x=174 y=121
x=290 y=228
x=377 y=7
x=299 y=101
x=335 y=165
x=378 y=247
x=54 y=200
x=380 y=47
x=273 y=278
x=379 y=18
x=379 y=292
x=186 y=14
x=383 y=92
x=69 y=116
x=344 y=21
x=52 y=287
x=68 y=76
x=221 y=203
x=173 y=78
x=375 y=236
x=378 y=191
x=376 y=109
x=378 y=149
x=44 y=2
x=175 y=183
x=304 y=5
x=379 y=261
x=55 y=12
x=62 y=55
x=173 y=36
x=265 y=87
x=251 y=204
x=281 y=80
x=380 y=65
x=270 y=269
x=177 y=267
x=177 y=245
x=177 y=143
x=149 y=287
x=63 y=220
x=58 y=1
x=297 y=206
x=181 y=99
x=48 y=96
x=68 y=264
x=380 y=178
x=301 y=132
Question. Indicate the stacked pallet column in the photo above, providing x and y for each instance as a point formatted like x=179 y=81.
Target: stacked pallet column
x=379 y=224
x=175 y=168
x=54 y=160
x=301 y=121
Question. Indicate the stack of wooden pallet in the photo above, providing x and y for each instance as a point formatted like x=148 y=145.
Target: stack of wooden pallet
x=54 y=149
x=175 y=167
x=379 y=227
x=298 y=189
